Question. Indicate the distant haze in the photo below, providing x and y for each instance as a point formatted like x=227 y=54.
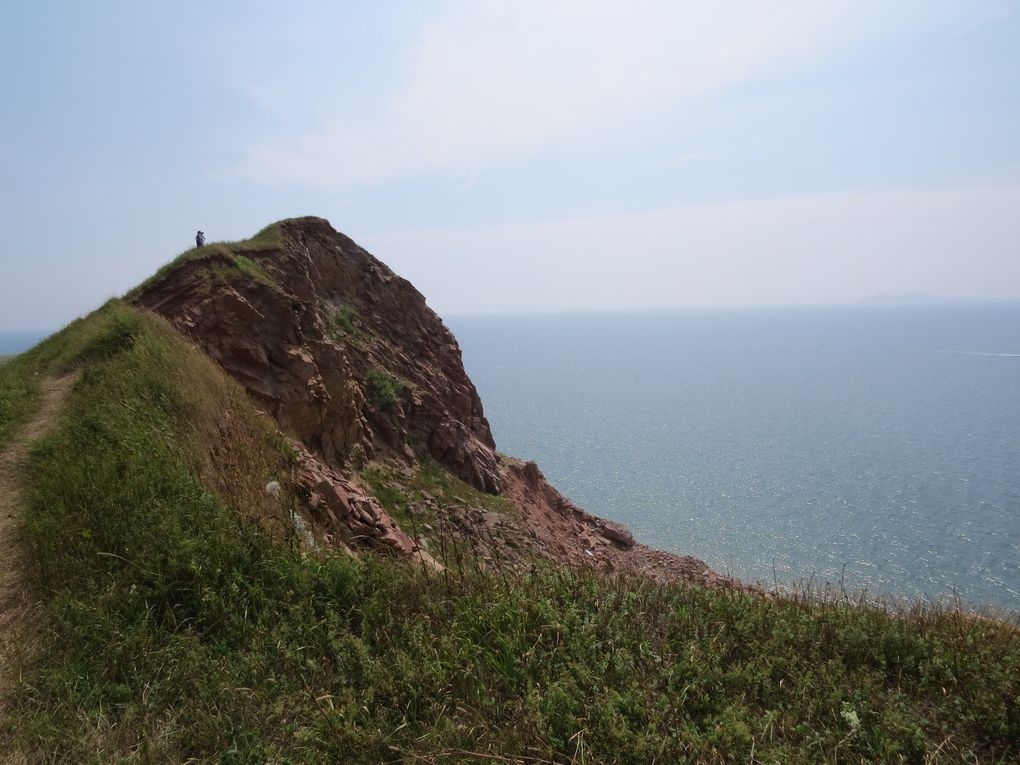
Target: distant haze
x=518 y=157
x=799 y=250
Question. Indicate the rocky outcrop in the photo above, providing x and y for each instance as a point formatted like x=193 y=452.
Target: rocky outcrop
x=351 y=362
x=347 y=515
x=567 y=533
x=344 y=353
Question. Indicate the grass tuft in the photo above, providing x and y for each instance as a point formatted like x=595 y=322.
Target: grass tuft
x=344 y=323
x=253 y=270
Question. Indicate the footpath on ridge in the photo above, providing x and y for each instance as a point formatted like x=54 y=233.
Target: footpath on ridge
x=15 y=602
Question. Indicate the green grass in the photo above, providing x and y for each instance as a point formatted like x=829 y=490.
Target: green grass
x=233 y=253
x=19 y=389
x=80 y=342
x=253 y=270
x=344 y=323
x=181 y=623
x=398 y=494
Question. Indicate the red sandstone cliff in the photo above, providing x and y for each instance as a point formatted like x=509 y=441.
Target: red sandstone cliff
x=352 y=363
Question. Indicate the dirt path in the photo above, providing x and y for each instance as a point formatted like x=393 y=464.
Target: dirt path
x=15 y=604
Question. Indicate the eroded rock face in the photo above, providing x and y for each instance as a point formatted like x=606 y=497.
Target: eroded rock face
x=344 y=353
x=351 y=362
x=346 y=514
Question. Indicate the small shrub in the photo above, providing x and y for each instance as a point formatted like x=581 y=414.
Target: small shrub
x=382 y=390
x=344 y=323
x=285 y=448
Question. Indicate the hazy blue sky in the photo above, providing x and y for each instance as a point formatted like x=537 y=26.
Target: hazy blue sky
x=520 y=156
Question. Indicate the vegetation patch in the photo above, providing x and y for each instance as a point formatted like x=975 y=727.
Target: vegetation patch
x=344 y=323
x=253 y=270
x=398 y=493
x=423 y=505
x=382 y=390
x=266 y=240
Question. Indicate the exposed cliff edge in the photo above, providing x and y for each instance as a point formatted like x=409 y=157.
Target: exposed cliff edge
x=352 y=363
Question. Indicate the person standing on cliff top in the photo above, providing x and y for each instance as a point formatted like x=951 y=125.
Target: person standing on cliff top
x=199 y=239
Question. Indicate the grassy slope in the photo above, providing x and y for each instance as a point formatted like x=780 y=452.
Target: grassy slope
x=79 y=342
x=176 y=627
x=230 y=252
x=18 y=391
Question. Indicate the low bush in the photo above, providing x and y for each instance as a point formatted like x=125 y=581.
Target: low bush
x=382 y=390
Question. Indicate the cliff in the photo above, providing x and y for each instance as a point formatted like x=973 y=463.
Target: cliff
x=351 y=362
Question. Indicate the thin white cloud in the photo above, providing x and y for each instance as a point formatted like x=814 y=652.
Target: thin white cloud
x=491 y=82
x=833 y=248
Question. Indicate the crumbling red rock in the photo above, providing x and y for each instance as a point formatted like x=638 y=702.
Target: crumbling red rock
x=352 y=363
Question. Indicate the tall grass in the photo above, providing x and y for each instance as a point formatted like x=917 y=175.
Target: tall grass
x=180 y=628
x=19 y=389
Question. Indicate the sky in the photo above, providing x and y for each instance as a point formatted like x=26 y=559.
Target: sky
x=520 y=157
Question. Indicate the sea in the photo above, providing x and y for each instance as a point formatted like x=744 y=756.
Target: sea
x=12 y=343
x=867 y=449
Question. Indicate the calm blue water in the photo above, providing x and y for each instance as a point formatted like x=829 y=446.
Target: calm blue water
x=16 y=342
x=885 y=439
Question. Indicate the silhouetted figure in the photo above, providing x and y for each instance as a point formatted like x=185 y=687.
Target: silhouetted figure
x=199 y=239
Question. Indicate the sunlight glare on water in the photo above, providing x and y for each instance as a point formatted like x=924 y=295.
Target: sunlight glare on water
x=882 y=440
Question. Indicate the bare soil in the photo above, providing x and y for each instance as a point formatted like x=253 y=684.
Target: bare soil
x=16 y=604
